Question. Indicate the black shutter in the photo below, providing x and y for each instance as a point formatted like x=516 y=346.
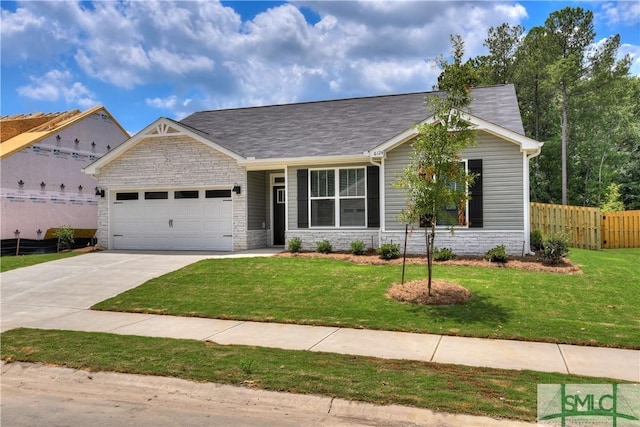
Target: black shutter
x=303 y=198
x=475 y=203
x=373 y=196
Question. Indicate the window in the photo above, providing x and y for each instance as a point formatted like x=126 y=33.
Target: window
x=451 y=214
x=338 y=202
x=126 y=196
x=156 y=195
x=216 y=194
x=191 y=194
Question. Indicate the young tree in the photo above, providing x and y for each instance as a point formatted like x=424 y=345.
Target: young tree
x=434 y=180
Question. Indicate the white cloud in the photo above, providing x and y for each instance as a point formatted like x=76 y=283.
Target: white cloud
x=211 y=58
x=58 y=85
x=168 y=103
x=622 y=12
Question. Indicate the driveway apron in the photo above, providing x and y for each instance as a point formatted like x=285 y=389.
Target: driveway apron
x=53 y=289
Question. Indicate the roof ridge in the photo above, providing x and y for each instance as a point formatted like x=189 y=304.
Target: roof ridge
x=391 y=95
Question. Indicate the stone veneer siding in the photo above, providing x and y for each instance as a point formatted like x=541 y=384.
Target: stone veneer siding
x=176 y=162
x=340 y=239
x=462 y=242
x=465 y=242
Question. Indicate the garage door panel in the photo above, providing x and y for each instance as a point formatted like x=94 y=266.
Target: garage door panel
x=173 y=224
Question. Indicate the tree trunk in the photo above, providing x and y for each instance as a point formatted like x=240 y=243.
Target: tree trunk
x=565 y=126
x=430 y=245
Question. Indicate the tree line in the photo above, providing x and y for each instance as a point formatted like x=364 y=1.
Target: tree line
x=576 y=96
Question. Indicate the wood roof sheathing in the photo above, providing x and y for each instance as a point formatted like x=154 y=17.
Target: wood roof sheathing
x=57 y=122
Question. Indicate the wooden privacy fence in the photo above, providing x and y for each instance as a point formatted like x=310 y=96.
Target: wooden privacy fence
x=621 y=229
x=588 y=228
x=581 y=224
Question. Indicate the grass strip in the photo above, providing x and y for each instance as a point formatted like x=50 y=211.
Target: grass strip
x=440 y=387
x=12 y=262
x=600 y=307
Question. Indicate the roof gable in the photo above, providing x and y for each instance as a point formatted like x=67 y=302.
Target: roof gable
x=161 y=128
x=526 y=144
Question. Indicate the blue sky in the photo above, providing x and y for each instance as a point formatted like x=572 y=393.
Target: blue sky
x=148 y=59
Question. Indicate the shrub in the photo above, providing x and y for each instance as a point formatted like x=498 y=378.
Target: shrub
x=65 y=237
x=444 y=254
x=389 y=251
x=554 y=248
x=497 y=254
x=324 y=247
x=537 y=240
x=358 y=247
x=295 y=245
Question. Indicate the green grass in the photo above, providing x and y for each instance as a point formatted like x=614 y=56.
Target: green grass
x=12 y=262
x=440 y=387
x=600 y=307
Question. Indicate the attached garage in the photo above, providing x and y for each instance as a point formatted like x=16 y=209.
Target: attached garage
x=173 y=219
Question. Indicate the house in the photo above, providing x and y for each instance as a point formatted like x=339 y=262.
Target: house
x=255 y=177
x=41 y=158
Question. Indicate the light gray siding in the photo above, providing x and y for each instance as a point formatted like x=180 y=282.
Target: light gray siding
x=292 y=197
x=502 y=177
x=257 y=201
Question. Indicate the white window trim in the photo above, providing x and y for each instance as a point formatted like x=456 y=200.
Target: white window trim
x=336 y=198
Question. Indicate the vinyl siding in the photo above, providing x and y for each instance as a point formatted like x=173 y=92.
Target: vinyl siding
x=502 y=182
x=257 y=201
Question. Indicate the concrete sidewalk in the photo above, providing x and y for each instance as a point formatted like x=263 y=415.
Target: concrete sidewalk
x=503 y=354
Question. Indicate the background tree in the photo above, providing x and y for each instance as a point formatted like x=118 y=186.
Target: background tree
x=434 y=179
x=498 y=67
x=578 y=68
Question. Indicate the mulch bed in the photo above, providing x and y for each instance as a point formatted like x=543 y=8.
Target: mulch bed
x=531 y=263
x=442 y=292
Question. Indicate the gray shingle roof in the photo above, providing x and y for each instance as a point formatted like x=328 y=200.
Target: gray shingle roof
x=338 y=127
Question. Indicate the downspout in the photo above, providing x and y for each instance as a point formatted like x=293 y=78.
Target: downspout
x=527 y=201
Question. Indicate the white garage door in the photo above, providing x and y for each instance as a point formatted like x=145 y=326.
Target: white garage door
x=172 y=220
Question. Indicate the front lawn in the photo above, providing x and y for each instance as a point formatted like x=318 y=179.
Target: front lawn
x=440 y=387
x=12 y=262
x=600 y=307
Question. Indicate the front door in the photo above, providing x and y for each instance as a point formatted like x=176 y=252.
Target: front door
x=278 y=215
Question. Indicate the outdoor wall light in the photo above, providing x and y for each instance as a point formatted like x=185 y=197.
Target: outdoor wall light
x=99 y=191
x=236 y=189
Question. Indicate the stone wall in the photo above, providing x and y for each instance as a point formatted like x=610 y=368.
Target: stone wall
x=462 y=242
x=340 y=239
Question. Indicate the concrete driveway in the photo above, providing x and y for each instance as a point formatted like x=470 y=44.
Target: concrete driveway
x=54 y=289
